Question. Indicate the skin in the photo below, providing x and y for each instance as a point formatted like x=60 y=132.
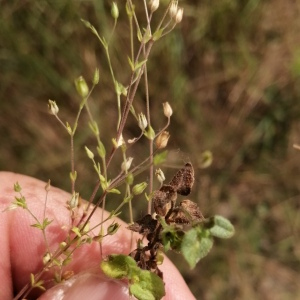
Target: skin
x=22 y=248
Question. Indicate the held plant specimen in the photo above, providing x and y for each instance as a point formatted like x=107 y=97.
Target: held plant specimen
x=168 y=223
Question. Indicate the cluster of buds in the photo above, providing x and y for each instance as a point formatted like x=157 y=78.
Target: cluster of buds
x=175 y=12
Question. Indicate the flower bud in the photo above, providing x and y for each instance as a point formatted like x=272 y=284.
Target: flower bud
x=167 y=109
x=96 y=77
x=114 y=10
x=81 y=87
x=47 y=186
x=173 y=9
x=150 y=133
x=53 y=108
x=126 y=164
x=73 y=176
x=139 y=188
x=142 y=121
x=17 y=187
x=153 y=4
x=101 y=150
x=113 y=228
x=162 y=140
x=179 y=15
x=89 y=153
x=46 y=258
x=129 y=179
x=118 y=143
x=73 y=203
x=160 y=175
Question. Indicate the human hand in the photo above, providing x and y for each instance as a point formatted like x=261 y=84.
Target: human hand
x=22 y=248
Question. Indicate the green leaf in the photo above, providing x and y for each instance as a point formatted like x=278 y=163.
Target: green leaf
x=222 y=228
x=90 y=26
x=160 y=158
x=37 y=225
x=139 y=36
x=147 y=286
x=46 y=222
x=172 y=239
x=76 y=230
x=130 y=63
x=73 y=176
x=67 y=261
x=157 y=34
x=139 y=64
x=119 y=266
x=114 y=191
x=195 y=245
x=147 y=36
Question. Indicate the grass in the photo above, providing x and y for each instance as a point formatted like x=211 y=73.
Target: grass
x=232 y=72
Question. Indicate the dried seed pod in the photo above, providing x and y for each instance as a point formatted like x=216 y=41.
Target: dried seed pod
x=144 y=225
x=186 y=212
x=183 y=180
x=164 y=199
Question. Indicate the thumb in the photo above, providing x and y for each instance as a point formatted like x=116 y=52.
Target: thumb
x=90 y=286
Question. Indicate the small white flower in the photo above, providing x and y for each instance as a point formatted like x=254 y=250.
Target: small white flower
x=173 y=9
x=160 y=176
x=142 y=121
x=162 y=140
x=120 y=141
x=179 y=15
x=126 y=164
x=53 y=108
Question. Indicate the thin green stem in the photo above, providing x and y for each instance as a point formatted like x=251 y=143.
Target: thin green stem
x=151 y=168
x=72 y=162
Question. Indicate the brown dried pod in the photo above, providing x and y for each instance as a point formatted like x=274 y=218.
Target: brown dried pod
x=164 y=199
x=144 y=225
x=186 y=212
x=183 y=180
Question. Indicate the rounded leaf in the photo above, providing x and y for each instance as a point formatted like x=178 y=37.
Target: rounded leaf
x=222 y=228
x=195 y=245
x=147 y=286
x=119 y=266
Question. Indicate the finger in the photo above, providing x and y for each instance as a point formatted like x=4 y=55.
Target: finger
x=88 y=286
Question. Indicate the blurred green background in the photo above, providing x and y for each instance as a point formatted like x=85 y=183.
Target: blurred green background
x=231 y=71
